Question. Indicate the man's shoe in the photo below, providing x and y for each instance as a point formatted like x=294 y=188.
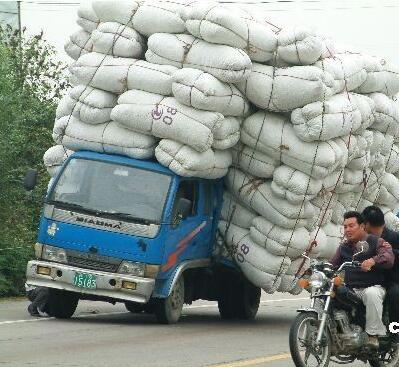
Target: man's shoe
x=33 y=311
x=373 y=342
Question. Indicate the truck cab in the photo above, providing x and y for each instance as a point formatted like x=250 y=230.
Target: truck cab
x=118 y=229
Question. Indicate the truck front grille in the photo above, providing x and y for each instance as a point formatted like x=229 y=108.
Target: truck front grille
x=94 y=262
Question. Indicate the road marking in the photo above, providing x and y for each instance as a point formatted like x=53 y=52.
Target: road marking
x=254 y=362
x=118 y=312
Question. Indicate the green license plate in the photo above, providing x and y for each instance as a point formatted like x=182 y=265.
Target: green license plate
x=84 y=280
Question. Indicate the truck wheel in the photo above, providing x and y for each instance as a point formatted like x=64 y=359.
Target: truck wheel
x=168 y=310
x=239 y=299
x=226 y=302
x=247 y=302
x=62 y=304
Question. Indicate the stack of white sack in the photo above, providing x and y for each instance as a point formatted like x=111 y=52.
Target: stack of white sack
x=303 y=130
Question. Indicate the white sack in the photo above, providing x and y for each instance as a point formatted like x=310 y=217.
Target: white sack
x=258 y=265
x=282 y=90
x=117 y=40
x=299 y=46
x=334 y=117
x=87 y=104
x=254 y=162
x=164 y=117
x=382 y=77
x=258 y=195
x=347 y=70
x=104 y=138
x=103 y=72
x=80 y=43
x=111 y=11
x=54 y=157
x=226 y=63
x=187 y=162
x=157 y=16
x=335 y=235
x=227 y=135
x=293 y=185
x=277 y=240
x=386 y=114
x=233 y=27
x=366 y=107
x=273 y=135
x=87 y=18
x=234 y=212
x=152 y=78
x=392 y=162
x=201 y=90
x=389 y=192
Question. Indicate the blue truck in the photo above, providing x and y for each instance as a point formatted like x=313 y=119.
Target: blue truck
x=117 y=229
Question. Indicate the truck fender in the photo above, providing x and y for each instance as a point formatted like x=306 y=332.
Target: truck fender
x=181 y=268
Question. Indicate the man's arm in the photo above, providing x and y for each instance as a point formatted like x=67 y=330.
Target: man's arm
x=384 y=258
x=336 y=260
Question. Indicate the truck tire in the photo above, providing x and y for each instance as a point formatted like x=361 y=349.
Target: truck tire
x=62 y=304
x=226 y=302
x=239 y=300
x=168 y=310
x=246 y=307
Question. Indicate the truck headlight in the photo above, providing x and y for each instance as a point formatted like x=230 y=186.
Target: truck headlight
x=317 y=280
x=55 y=254
x=132 y=268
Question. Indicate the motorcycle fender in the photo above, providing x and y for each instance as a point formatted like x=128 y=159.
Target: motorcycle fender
x=310 y=310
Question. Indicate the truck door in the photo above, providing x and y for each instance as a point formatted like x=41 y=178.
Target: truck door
x=183 y=241
x=206 y=214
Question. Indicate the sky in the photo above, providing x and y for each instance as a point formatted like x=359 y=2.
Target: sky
x=368 y=25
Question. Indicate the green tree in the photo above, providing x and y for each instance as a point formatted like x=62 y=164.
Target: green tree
x=31 y=83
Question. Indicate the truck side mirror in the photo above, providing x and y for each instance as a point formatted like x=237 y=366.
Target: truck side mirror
x=183 y=209
x=30 y=179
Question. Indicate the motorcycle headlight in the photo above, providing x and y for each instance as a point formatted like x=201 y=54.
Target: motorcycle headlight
x=317 y=280
x=132 y=268
x=52 y=253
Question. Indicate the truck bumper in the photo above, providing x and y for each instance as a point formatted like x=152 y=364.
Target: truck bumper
x=108 y=284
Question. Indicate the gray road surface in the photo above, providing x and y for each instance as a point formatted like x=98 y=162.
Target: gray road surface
x=103 y=335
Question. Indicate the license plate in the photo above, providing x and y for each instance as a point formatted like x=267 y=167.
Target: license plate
x=84 y=280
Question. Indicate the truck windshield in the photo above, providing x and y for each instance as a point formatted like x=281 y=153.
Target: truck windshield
x=112 y=190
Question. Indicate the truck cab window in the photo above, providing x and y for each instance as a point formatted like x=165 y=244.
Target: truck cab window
x=188 y=190
x=208 y=208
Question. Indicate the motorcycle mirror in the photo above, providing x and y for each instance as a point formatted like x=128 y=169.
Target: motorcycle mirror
x=360 y=247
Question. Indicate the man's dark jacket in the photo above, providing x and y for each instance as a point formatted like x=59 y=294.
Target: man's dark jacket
x=392 y=238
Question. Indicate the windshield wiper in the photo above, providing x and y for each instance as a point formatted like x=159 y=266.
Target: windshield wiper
x=66 y=205
x=129 y=217
x=104 y=213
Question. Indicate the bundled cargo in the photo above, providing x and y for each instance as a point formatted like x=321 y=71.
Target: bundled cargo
x=302 y=131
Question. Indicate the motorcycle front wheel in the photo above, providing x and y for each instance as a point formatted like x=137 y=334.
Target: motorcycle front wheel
x=303 y=334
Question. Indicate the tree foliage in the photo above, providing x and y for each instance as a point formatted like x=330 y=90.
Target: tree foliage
x=31 y=83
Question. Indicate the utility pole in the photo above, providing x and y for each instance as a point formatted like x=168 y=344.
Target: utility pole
x=19 y=18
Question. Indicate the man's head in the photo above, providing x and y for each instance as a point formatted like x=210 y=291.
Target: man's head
x=354 y=227
x=374 y=221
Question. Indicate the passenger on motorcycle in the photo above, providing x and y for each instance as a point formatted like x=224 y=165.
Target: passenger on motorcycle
x=367 y=281
x=375 y=224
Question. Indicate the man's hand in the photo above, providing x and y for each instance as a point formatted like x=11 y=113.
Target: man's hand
x=367 y=264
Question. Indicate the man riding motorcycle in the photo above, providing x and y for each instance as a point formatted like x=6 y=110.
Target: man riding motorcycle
x=367 y=282
x=375 y=224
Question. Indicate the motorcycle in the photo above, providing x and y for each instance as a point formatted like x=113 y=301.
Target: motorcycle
x=333 y=327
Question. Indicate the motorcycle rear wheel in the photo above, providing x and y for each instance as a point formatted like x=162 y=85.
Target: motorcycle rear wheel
x=390 y=359
x=302 y=338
